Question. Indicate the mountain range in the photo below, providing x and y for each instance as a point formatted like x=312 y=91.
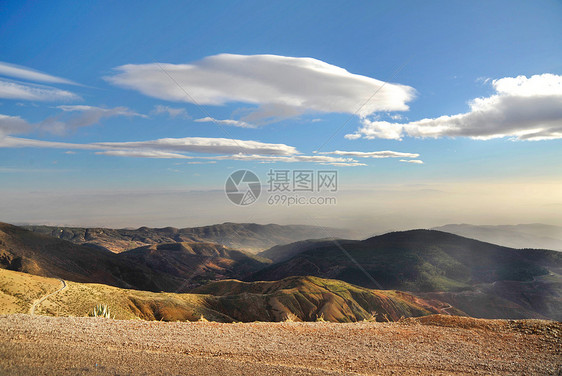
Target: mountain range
x=481 y=279
x=463 y=275
x=250 y=237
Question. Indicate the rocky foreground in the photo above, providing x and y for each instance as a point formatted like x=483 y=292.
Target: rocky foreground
x=432 y=345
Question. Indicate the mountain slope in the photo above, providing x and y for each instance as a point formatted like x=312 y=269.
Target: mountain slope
x=417 y=260
x=166 y=267
x=180 y=266
x=250 y=237
x=43 y=255
x=485 y=280
x=516 y=236
x=301 y=299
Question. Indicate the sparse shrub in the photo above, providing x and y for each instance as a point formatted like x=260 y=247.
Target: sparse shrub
x=202 y=319
x=101 y=310
x=291 y=317
x=372 y=317
x=320 y=318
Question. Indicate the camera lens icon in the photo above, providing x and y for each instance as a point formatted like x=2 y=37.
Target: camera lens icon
x=243 y=187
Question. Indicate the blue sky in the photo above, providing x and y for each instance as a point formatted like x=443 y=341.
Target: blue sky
x=113 y=72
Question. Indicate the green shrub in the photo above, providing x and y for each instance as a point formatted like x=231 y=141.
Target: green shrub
x=102 y=310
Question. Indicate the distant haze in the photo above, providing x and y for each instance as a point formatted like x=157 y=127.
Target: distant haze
x=366 y=211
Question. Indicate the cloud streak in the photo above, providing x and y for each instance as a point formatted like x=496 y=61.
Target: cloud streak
x=170 y=111
x=373 y=154
x=59 y=124
x=416 y=161
x=234 y=123
x=32 y=92
x=522 y=108
x=18 y=71
x=280 y=86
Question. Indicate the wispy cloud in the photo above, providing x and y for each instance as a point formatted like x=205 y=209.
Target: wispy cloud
x=373 y=154
x=173 y=148
x=13 y=125
x=179 y=145
x=31 y=92
x=60 y=124
x=170 y=111
x=293 y=159
x=281 y=86
x=235 y=123
x=87 y=116
x=416 y=161
x=144 y=154
x=18 y=71
x=205 y=145
x=522 y=108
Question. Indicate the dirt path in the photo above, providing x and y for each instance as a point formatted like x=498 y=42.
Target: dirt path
x=36 y=302
x=41 y=345
x=446 y=308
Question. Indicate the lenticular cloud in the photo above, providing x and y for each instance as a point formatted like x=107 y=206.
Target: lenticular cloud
x=280 y=86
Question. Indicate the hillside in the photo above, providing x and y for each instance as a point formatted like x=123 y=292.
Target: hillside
x=296 y=298
x=179 y=267
x=488 y=280
x=166 y=267
x=250 y=237
x=535 y=235
x=43 y=255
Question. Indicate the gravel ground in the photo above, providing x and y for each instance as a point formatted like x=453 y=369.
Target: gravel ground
x=39 y=345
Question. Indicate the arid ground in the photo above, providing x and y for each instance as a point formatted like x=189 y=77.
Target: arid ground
x=432 y=345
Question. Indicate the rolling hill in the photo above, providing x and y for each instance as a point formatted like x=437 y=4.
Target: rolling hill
x=250 y=237
x=482 y=279
x=181 y=266
x=295 y=298
x=165 y=267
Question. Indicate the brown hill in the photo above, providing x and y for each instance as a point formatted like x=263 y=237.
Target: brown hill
x=296 y=299
x=166 y=267
x=483 y=279
x=179 y=267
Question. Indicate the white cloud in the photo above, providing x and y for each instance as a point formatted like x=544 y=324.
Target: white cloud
x=32 y=92
x=281 y=86
x=13 y=124
x=291 y=159
x=373 y=154
x=172 y=148
x=235 y=123
x=17 y=142
x=522 y=108
x=170 y=111
x=144 y=154
x=17 y=71
x=417 y=161
x=169 y=145
x=204 y=145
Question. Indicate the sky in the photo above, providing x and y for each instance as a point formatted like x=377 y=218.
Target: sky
x=136 y=113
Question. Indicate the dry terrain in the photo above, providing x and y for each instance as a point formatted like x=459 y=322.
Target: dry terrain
x=433 y=345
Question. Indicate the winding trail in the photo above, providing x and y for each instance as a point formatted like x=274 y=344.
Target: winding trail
x=446 y=308
x=36 y=302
